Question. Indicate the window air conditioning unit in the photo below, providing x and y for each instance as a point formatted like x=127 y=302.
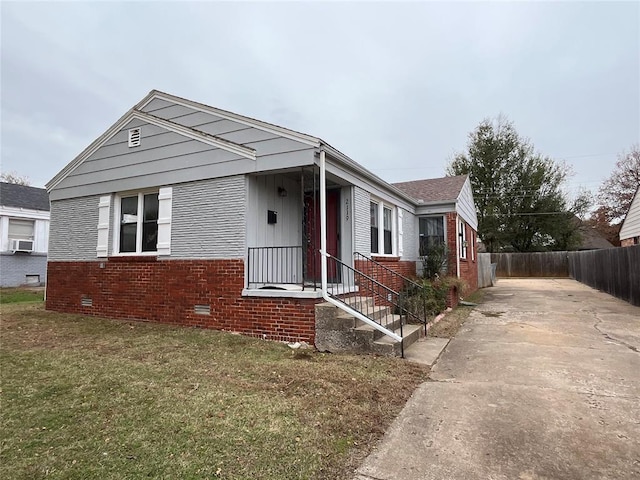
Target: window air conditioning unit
x=21 y=245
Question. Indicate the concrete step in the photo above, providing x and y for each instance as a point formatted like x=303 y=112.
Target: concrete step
x=364 y=330
x=389 y=347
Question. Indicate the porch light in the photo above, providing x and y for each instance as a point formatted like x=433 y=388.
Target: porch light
x=282 y=192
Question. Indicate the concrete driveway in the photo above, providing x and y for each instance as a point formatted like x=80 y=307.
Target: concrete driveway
x=541 y=382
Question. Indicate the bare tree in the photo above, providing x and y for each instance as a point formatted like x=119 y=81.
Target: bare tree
x=13 y=177
x=617 y=191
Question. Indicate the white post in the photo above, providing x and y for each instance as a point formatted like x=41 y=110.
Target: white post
x=323 y=224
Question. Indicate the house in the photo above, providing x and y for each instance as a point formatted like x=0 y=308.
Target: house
x=630 y=230
x=446 y=215
x=590 y=238
x=24 y=235
x=188 y=214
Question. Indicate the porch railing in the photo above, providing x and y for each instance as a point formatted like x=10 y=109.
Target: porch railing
x=412 y=298
x=275 y=266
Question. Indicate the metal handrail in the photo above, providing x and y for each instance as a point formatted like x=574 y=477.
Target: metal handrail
x=406 y=281
x=393 y=272
x=384 y=295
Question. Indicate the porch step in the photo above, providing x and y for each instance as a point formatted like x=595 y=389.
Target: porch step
x=367 y=331
x=389 y=347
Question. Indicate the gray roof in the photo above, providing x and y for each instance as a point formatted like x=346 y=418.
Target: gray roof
x=446 y=189
x=22 y=196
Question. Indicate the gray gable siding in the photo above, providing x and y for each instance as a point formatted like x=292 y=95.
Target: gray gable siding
x=208 y=219
x=466 y=207
x=361 y=203
x=163 y=158
x=73 y=233
x=631 y=226
x=264 y=142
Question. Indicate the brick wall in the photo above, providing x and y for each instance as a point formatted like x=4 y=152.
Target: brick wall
x=379 y=274
x=468 y=266
x=166 y=291
x=628 y=242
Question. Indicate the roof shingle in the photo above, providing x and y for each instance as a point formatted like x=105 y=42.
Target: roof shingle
x=22 y=196
x=443 y=189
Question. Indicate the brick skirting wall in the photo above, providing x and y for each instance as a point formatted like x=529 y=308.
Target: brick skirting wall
x=166 y=291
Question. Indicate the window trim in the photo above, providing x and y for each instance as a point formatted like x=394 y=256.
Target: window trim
x=139 y=223
x=381 y=205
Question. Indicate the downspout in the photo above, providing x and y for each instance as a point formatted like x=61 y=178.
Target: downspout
x=324 y=256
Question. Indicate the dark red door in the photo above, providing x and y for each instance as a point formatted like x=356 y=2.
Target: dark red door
x=312 y=234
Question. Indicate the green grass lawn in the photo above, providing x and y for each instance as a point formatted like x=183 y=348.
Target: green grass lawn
x=84 y=398
x=19 y=295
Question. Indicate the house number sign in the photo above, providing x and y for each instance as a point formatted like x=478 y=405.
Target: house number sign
x=346 y=208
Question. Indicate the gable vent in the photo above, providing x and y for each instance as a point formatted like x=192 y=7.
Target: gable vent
x=134 y=136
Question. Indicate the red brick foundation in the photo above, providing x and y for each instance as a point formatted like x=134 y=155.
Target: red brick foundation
x=166 y=291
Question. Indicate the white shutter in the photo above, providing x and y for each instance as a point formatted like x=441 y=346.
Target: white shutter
x=104 y=206
x=400 y=233
x=164 y=220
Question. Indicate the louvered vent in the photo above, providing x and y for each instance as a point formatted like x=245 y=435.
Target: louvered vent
x=134 y=137
x=86 y=302
x=202 y=309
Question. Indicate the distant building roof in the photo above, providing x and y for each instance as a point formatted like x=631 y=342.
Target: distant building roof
x=22 y=196
x=590 y=238
x=445 y=189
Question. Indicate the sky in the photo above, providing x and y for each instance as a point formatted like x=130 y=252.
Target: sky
x=396 y=86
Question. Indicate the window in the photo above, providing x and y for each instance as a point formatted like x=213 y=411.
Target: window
x=139 y=223
x=431 y=230
x=462 y=235
x=386 y=226
x=20 y=229
x=373 y=210
x=381 y=239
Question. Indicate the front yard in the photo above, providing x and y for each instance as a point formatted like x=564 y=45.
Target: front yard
x=83 y=398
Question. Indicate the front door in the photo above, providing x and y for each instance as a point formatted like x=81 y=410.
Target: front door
x=312 y=234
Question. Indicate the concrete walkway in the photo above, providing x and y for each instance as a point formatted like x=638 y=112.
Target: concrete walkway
x=541 y=382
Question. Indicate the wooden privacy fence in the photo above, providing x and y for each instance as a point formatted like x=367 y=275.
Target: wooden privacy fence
x=612 y=270
x=533 y=264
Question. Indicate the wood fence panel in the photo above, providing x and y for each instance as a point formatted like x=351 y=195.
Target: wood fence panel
x=612 y=270
x=533 y=264
x=485 y=277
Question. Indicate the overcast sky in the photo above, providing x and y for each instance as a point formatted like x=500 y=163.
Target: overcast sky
x=396 y=86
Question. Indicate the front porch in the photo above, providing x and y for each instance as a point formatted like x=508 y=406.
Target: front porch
x=283 y=234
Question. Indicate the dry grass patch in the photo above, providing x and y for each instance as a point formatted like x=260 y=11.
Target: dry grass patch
x=448 y=326
x=84 y=397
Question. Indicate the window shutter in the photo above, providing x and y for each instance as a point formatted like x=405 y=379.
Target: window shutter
x=164 y=220
x=400 y=233
x=104 y=206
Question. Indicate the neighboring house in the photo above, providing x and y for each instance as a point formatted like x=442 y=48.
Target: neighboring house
x=24 y=235
x=630 y=230
x=447 y=215
x=590 y=238
x=184 y=213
